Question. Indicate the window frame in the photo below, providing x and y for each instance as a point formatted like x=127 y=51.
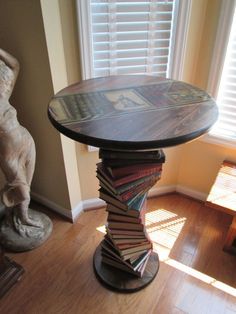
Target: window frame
x=181 y=24
x=219 y=52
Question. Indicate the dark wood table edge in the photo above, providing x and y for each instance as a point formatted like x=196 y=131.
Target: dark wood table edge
x=127 y=145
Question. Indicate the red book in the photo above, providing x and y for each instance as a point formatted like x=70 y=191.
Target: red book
x=137 y=189
x=138 y=175
x=137 y=168
x=104 y=175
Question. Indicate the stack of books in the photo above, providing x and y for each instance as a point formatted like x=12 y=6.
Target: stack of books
x=125 y=178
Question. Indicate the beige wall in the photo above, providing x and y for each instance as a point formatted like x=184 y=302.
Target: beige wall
x=193 y=165
x=200 y=164
x=22 y=34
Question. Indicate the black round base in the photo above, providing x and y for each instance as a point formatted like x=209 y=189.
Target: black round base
x=121 y=281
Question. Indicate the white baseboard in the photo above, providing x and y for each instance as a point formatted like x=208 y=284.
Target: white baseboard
x=76 y=211
x=192 y=193
x=53 y=206
x=71 y=214
x=95 y=203
x=156 y=191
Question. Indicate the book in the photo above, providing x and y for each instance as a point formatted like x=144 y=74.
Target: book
x=120 y=172
x=135 y=176
x=133 y=155
x=125 y=226
x=118 y=265
x=135 y=249
x=129 y=193
x=110 y=247
x=125 y=236
x=124 y=246
x=131 y=212
x=133 y=264
x=131 y=185
x=125 y=232
x=132 y=240
x=115 y=217
x=136 y=190
x=112 y=262
x=104 y=173
x=105 y=185
x=108 y=184
x=133 y=203
x=129 y=162
x=128 y=240
x=113 y=183
x=137 y=261
x=116 y=258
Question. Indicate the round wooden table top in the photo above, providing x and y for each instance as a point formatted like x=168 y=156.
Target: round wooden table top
x=132 y=112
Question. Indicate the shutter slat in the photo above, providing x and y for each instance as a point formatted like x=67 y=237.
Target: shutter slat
x=130 y=62
x=134 y=44
x=130 y=53
x=226 y=125
x=131 y=7
x=127 y=27
x=135 y=17
x=105 y=37
x=138 y=2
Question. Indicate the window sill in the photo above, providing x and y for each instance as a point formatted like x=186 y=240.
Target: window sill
x=218 y=140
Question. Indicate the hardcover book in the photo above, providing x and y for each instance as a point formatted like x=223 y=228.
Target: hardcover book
x=135 y=155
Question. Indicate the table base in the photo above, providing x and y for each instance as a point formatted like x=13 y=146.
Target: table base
x=118 y=280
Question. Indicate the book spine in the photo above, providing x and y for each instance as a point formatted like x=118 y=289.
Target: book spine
x=132 y=169
x=137 y=183
x=156 y=154
x=130 y=193
x=113 y=217
x=138 y=175
x=125 y=226
x=136 y=249
x=115 y=210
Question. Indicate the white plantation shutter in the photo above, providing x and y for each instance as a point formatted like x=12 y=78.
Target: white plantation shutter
x=226 y=99
x=131 y=37
x=222 y=77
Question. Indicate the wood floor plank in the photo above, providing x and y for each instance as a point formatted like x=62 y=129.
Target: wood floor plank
x=195 y=276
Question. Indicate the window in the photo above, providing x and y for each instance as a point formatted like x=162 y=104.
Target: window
x=132 y=37
x=222 y=81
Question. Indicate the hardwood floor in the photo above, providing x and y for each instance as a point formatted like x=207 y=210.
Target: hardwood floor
x=195 y=275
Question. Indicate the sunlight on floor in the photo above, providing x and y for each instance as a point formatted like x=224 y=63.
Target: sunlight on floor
x=164 y=227
x=203 y=277
x=223 y=190
x=102 y=229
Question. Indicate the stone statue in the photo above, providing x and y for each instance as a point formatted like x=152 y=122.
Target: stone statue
x=22 y=229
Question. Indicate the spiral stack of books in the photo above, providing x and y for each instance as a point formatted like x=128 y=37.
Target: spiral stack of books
x=125 y=178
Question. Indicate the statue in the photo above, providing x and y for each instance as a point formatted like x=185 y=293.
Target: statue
x=22 y=229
